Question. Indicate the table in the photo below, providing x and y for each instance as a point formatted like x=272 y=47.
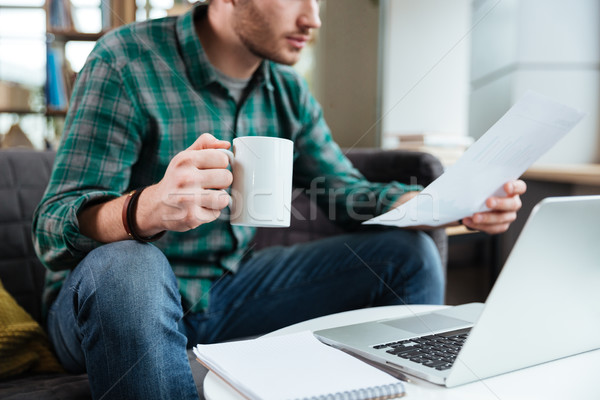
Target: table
x=569 y=378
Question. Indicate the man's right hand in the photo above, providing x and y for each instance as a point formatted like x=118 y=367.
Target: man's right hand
x=191 y=191
x=190 y=194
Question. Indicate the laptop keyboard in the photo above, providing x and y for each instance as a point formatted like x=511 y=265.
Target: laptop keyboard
x=436 y=351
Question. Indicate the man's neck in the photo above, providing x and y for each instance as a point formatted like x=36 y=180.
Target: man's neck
x=224 y=49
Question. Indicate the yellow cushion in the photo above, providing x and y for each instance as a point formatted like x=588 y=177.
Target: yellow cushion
x=23 y=343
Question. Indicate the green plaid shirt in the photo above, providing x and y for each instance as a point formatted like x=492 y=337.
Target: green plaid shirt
x=146 y=93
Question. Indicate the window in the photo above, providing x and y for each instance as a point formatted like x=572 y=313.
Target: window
x=150 y=9
x=22 y=67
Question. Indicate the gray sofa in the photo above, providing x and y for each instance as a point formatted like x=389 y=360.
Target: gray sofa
x=23 y=178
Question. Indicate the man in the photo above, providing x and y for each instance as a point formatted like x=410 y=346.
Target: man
x=124 y=310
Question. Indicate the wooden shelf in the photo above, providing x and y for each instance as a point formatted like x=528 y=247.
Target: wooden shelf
x=18 y=111
x=20 y=7
x=52 y=112
x=49 y=112
x=578 y=174
x=73 y=35
x=458 y=230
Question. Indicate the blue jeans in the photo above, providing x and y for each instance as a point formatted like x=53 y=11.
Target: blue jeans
x=119 y=314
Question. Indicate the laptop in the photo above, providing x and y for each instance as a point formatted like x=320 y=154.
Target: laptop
x=545 y=305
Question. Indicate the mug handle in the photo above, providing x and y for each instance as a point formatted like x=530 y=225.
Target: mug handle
x=229 y=155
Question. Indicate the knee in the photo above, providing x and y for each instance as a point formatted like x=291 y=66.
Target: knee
x=425 y=248
x=417 y=261
x=430 y=272
x=127 y=274
x=125 y=261
x=402 y=244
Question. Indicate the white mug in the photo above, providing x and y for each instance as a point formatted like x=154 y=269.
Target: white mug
x=262 y=181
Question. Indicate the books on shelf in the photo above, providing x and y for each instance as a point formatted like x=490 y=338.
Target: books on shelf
x=62 y=17
x=60 y=79
x=116 y=13
x=440 y=139
x=59 y=15
x=105 y=10
x=296 y=366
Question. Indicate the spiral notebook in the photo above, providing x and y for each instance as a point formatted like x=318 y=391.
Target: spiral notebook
x=295 y=366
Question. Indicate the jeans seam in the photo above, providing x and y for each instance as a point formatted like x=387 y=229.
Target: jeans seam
x=106 y=352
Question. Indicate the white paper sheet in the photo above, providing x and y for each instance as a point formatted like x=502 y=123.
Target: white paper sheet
x=295 y=366
x=527 y=131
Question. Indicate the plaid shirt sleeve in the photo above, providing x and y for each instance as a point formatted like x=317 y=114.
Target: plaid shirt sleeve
x=99 y=145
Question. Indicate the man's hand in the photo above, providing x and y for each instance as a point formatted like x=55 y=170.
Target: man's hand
x=497 y=220
x=190 y=194
x=503 y=210
x=191 y=191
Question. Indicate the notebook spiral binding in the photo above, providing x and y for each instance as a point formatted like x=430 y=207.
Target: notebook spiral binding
x=386 y=392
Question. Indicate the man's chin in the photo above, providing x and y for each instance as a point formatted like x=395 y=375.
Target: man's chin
x=290 y=59
x=281 y=57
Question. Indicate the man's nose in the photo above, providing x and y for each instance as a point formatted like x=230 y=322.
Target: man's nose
x=310 y=15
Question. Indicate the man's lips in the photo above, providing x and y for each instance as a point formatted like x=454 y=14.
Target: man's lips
x=298 y=42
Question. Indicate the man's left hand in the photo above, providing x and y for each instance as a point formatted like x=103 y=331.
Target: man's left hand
x=503 y=210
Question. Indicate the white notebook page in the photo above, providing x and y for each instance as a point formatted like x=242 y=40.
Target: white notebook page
x=294 y=366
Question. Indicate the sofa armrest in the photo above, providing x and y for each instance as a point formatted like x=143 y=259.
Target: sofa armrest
x=310 y=223
x=396 y=165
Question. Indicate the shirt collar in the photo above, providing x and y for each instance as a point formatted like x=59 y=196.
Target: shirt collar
x=200 y=70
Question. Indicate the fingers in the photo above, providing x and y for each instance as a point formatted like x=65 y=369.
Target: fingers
x=491 y=222
x=503 y=210
x=492 y=229
x=203 y=154
x=492 y=218
x=512 y=201
x=207 y=159
x=187 y=211
x=190 y=193
x=201 y=159
x=206 y=179
x=516 y=187
x=208 y=141
x=204 y=199
x=504 y=203
x=204 y=169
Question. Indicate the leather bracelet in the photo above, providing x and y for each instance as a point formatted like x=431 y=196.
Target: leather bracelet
x=128 y=217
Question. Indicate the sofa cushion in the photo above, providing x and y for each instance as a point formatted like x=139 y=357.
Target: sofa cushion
x=23 y=180
x=24 y=346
